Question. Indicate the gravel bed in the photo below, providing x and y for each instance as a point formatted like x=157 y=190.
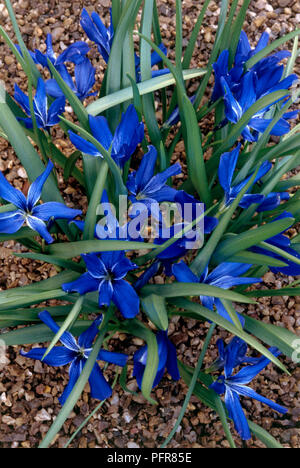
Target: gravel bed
x=29 y=390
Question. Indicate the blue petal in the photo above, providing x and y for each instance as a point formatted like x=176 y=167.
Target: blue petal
x=227 y=167
x=82 y=145
x=86 y=283
x=53 y=89
x=248 y=392
x=37 y=225
x=146 y=169
x=11 y=222
x=85 y=78
x=121 y=268
x=11 y=194
x=58 y=356
x=130 y=307
x=101 y=131
x=40 y=101
x=35 y=190
x=74 y=373
x=247 y=374
x=95 y=266
x=55 y=210
x=172 y=365
x=233 y=109
x=22 y=99
x=183 y=273
x=118 y=359
x=159 y=180
x=236 y=413
x=105 y=293
x=67 y=339
x=147 y=275
x=86 y=338
x=56 y=109
x=74 y=53
x=100 y=389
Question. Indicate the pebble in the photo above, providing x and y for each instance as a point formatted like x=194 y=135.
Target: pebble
x=42 y=415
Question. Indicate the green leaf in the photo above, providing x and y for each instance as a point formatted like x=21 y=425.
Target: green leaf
x=39 y=334
x=155 y=308
x=192 y=289
x=146 y=87
x=73 y=249
x=251 y=237
x=136 y=328
x=273 y=335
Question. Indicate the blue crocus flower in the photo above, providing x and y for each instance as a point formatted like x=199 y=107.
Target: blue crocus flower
x=45 y=117
x=227 y=166
x=235 y=386
x=129 y=133
x=181 y=246
x=28 y=211
x=106 y=275
x=245 y=52
x=235 y=107
x=236 y=346
x=76 y=354
x=282 y=242
x=149 y=189
x=97 y=32
x=224 y=276
x=84 y=81
x=167 y=360
x=272 y=201
x=75 y=53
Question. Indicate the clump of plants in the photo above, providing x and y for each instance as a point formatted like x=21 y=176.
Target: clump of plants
x=209 y=235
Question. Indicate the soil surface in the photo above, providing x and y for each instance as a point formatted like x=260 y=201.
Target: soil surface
x=29 y=390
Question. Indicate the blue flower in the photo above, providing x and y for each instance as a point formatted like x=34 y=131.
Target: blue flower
x=245 y=52
x=129 y=133
x=75 y=53
x=28 y=211
x=227 y=166
x=45 y=118
x=181 y=246
x=267 y=71
x=221 y=69
x=235 y=107
x=76 y=354
x=235 y=386
x=282 y=242
x=106 y=275
x=147 y=188
x=224 y=276
x=97 y=32
x=272 y=201
x=84 y=81
x=238 y=348
x=167 y=360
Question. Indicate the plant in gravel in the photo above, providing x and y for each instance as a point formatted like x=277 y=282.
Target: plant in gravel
x=152 y=239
